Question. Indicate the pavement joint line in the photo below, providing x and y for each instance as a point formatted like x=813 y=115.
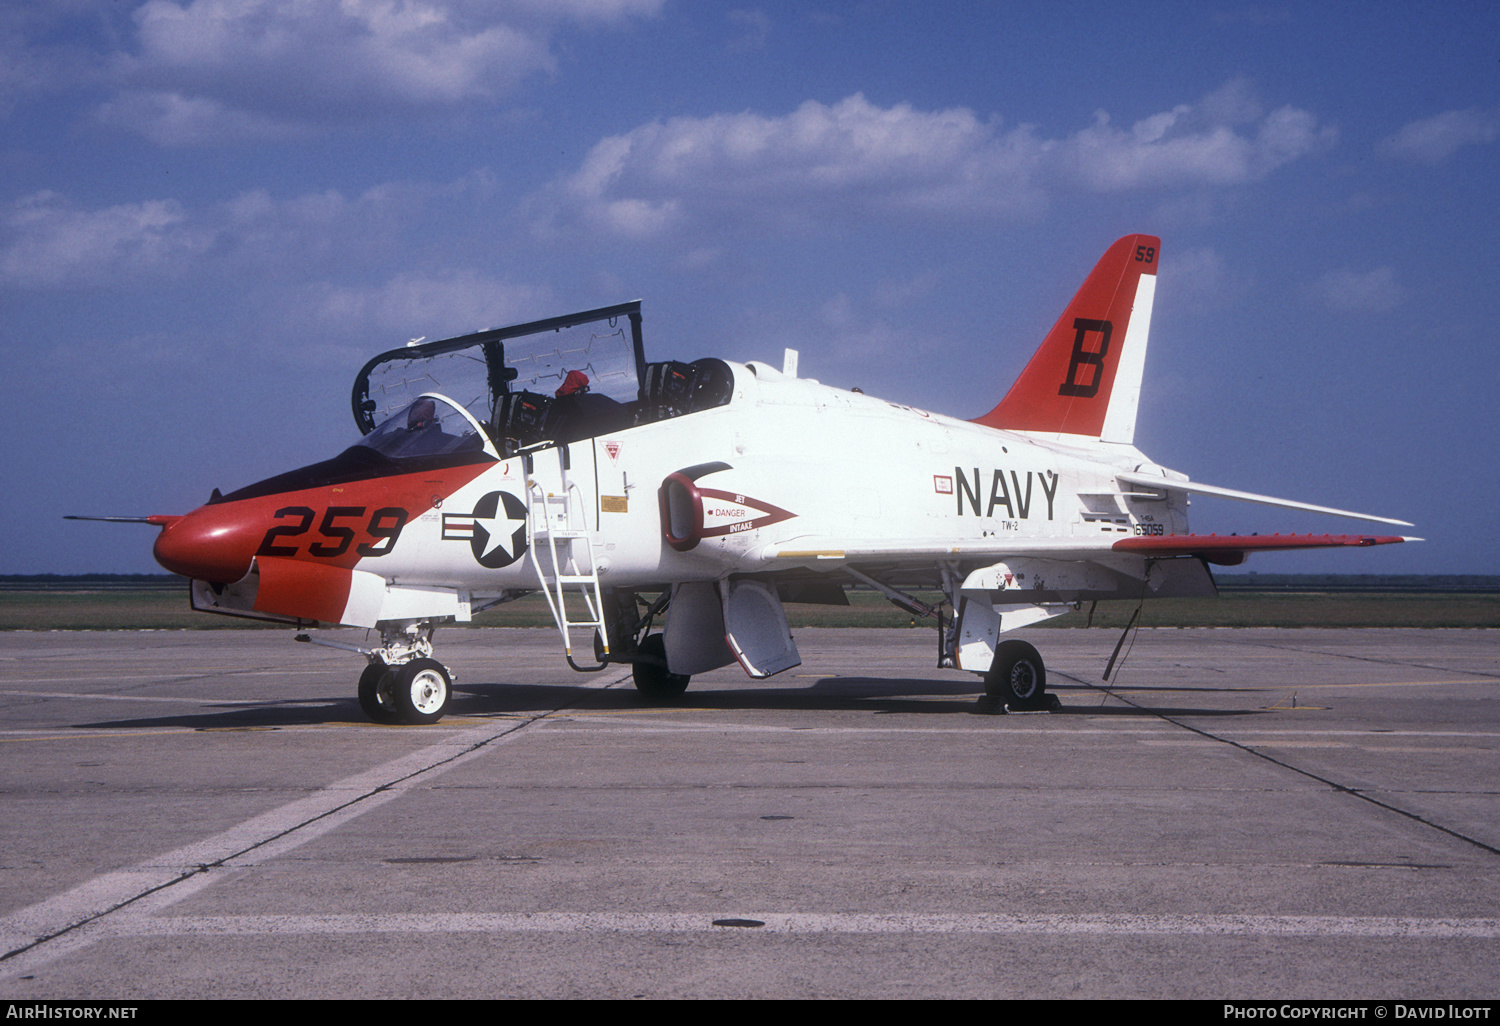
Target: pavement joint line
x=26 y=929
x=1261 y=753
x=1360 y=658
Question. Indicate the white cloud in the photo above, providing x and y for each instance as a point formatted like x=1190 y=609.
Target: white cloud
x=844 y=341
x=1199 y=280
x=49 y=241
x=212 y=70
x=1435 y=139
x=49 y=47
x=1192 y=145
x=847 y=338
x=754 y=26
x=440 y=305
x=172 y=119
x=604 y=12
x=311 y=271
x=853 y=160
x=1346 y=291
x=794 y=169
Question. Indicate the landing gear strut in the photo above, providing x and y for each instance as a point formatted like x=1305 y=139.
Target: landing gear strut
x=632 y=642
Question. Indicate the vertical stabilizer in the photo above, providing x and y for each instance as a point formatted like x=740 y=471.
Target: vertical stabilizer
x=1086 y=377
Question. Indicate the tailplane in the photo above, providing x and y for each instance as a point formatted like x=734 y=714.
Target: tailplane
x=1086 y=377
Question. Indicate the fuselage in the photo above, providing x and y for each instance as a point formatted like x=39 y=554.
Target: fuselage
x=736 y=489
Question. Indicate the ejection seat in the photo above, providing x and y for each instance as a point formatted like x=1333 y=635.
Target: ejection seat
x=522 y=419
x=672 y=388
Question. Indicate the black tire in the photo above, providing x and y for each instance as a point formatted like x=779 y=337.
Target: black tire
x=653 y=680
x=1017 y=676
x=376 y=695
x=421 y=689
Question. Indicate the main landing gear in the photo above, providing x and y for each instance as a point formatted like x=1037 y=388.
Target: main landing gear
x=653 y=680
x=1017 y=681
x=631 y=618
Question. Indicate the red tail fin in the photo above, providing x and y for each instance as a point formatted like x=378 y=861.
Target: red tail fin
x=1086 y=377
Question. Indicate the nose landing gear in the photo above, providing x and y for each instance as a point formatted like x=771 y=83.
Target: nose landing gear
x=402 y=683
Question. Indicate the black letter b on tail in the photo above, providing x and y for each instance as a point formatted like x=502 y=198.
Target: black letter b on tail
x=1085 y=358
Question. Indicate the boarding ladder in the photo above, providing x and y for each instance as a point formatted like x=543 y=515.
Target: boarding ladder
x=558 y=521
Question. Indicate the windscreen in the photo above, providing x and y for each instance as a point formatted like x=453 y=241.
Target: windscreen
x=427 y=426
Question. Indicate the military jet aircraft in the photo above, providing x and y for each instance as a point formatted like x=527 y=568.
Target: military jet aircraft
x=552 y=457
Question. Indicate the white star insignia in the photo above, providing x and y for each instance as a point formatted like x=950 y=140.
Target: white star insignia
x=501 y=528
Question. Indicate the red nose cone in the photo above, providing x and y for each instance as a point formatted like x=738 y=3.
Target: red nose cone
x=212 y=543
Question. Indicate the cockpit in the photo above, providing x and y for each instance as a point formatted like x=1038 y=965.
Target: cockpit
x=489 y=395
x=554 y=381
x=671 y=389
x=429 y=425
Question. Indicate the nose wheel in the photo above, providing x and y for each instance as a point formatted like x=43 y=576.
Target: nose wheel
x=376 y=696
x=416 y=692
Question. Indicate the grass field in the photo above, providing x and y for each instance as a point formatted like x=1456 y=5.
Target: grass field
x=167 y=609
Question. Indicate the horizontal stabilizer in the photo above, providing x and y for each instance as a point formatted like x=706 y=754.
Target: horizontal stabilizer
x=1194 y=488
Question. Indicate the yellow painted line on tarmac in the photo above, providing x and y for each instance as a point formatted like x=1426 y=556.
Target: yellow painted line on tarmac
x=167 y=676
x=105 y=733
x=88 y=696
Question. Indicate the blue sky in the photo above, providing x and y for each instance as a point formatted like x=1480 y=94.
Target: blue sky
x=212 y=212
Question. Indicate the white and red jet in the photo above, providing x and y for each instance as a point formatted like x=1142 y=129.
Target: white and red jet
x=706 y=493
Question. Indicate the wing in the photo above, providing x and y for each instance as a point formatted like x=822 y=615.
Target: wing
x=1225 y=550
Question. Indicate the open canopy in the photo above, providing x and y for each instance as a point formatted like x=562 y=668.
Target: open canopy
x=477 y=371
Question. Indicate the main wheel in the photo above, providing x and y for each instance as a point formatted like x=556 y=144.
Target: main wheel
x=421 y=689
x=376 y=696
x=1017 y=676
x=653 y=680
